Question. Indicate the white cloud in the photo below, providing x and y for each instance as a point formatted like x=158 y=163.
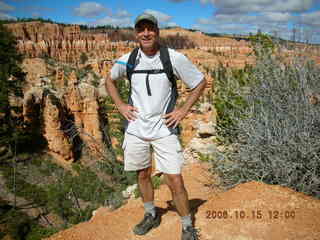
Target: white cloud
x=162 y=17
x=244 y=24
x=122 y=18
x=274 y=23
x=4 y=16
x=269 y=18
x=123 y=13
x=164 y=20
x=38 y=11
x=114 y=21
x=5 y=7
x=90 y=10
x=278 y=17
x=246 y=6
x=312 y=19
x=205 y=21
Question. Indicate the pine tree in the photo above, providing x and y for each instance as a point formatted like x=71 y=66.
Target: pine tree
x=11 y=79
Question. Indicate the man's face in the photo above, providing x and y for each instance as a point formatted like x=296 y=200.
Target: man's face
x=147 y=34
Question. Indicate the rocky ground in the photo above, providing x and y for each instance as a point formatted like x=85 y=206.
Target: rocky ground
x=250 y=211
x=254 y=211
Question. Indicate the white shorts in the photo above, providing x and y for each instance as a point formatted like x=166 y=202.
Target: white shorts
x=167 y=150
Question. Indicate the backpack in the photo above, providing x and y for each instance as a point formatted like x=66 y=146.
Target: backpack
x=167 y=69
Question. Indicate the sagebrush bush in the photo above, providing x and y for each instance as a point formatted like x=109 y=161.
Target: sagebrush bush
x=230 y=84
x=277 y=138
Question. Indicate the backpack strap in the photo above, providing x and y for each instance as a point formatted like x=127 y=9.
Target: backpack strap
x=148 y=72
x=131 y=64
x=168 y=69
x=165 y=60
x=167 y=65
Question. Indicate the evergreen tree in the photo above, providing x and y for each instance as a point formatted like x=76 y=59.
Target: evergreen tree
x=11 y=79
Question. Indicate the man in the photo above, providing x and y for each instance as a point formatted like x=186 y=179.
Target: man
x=149 y=121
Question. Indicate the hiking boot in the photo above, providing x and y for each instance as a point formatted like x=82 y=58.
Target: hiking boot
x=190 y=233
x=147 y=223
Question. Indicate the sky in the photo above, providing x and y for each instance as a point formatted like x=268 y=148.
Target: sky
x=299 y=19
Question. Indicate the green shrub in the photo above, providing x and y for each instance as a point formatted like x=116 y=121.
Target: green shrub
x=115 y=200
x=230 y=84
x=38 y=232
x=119 y=176
x=20 y=226
x=278 y=133
x=156 y=182
x=89 y=187
x=262 y=45
x=16 y=183
x=204 y=157
x=53 y=189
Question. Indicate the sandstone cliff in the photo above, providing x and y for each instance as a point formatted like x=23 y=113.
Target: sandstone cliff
x=64 y=43
x=67 y=43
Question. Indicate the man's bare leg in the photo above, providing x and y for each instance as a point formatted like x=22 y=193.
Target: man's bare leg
x=181 y=201
x=145 y=185
x=179 y=193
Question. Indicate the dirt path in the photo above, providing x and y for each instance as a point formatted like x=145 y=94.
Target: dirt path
x=252 y=214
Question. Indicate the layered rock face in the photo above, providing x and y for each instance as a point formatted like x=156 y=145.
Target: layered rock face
x=67 y=43
x=64 y=43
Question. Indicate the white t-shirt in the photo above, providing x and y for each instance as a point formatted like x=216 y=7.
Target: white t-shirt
x=149 y=123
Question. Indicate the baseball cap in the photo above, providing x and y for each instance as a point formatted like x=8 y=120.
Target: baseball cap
x=146 y=16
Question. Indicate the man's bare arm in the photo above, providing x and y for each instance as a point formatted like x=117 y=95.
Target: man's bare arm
x=173 y=118
x=126 y=110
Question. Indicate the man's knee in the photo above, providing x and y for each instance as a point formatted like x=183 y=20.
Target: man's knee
x=144 y=174
x=175 y=183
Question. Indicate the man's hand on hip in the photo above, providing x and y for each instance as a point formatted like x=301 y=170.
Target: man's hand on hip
x=128 y=111
x=175 y=117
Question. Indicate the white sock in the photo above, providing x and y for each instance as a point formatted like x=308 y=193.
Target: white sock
x=186 y=221
x=150 y=208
